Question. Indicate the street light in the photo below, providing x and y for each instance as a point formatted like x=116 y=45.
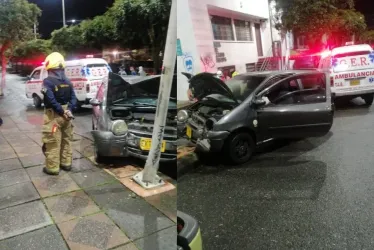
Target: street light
x=73 y=21
x=63 y=13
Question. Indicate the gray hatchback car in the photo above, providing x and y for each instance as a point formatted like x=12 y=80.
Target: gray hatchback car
x=124 y=112
x=251 y=108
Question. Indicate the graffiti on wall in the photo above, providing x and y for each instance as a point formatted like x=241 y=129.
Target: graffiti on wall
x=188 y=63
x=220 y=56
x=208 y=62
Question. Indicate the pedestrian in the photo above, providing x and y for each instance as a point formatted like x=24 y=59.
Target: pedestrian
x=141 y=71
x=235 y=73
x=220 y=75
x=59 y=101
x=133 y=72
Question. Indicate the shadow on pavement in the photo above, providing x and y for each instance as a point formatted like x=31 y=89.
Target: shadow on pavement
x=351 y=108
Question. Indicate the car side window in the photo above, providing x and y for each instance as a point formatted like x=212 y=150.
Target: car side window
x=281 y=93
x=100 y=92
x=36 y=75
x=305 y=89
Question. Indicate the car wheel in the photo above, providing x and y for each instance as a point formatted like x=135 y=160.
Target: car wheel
x=37 y=101
x=240 y=147
x=368 y=99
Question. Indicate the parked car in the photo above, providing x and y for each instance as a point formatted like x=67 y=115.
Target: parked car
x=85 y=74
x=254 y=107
x=351 y=71
x=124 y=112
x=189 y=235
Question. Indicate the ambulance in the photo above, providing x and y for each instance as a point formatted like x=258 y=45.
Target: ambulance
x=351 y=70
x=85 y=74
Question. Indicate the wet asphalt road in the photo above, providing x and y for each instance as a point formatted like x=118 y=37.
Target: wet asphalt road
x=19 y=105
x=316 y=193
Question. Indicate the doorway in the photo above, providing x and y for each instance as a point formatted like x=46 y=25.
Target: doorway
x=260 y=51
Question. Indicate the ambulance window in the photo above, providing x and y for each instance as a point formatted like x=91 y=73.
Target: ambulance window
x=355 y=53
x=36 y=75
x=98 y=65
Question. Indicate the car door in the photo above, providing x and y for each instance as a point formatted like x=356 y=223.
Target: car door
x=300 y=106
x=98 y=110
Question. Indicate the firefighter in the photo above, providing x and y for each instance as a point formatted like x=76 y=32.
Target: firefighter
x=59 y=101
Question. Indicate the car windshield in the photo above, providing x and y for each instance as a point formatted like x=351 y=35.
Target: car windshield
x=243 y=86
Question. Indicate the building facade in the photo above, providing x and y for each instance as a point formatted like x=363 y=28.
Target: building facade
x=221 y=35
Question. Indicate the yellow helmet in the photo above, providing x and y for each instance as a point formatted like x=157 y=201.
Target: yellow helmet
x=54 y=61
x=235 y=74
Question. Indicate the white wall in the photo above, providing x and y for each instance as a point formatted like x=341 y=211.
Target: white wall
x=196 y=35
x=185 y=33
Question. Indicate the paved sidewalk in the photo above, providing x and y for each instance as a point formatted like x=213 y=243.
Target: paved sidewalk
x=86 y=208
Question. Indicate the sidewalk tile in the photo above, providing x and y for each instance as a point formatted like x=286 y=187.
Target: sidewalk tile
x=80 y=165
x=42 y=239
x=53 y=185
x=162 y=240
x=6 y=152
x=92 y=232
x=129 y=246
x=48 y=185
x=166 y=203
x=10 y=164
x=33 y=160
x=17 y=194
x=134 y=215
x=76 y=154
x=125 y=171
x=13 y=177
x=92 y=178
x=27 y=150
x=70 y=206
x=23 y=218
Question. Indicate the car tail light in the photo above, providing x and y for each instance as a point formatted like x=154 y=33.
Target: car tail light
x=332 y=81
x=88 y=88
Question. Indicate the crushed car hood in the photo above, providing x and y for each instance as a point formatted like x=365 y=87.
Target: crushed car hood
x=120 y=87
x=205 y=84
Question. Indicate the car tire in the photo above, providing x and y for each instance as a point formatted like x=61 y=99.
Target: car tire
x=239 y=147
x=368 y=99
x=37 y=101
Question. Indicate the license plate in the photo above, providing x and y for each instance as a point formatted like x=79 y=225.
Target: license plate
x=189 y=132
x=146 y=143
x=355 y=82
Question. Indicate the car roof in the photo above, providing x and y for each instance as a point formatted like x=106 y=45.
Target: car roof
x=279 y=72
x=135 y=79
x=351 y=48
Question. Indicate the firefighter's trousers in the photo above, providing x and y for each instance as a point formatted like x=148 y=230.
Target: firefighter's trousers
x=57 y=134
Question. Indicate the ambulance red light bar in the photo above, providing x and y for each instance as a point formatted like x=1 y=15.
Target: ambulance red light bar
x=89 y=56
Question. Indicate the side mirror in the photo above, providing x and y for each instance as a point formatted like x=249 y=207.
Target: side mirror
x=94 y=102
x=29 y=78
x=258 y=102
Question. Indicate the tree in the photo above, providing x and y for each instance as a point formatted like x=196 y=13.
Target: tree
x=68 y=40
x=32 y=48
x=143 y=23
x=17 y=18
x=367 y=37
x=336 y=18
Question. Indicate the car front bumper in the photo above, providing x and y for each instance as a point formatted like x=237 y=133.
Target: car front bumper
x=109 y=145
x=212 y=141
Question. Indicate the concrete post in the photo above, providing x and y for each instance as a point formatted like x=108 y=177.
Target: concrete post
x=148 y=178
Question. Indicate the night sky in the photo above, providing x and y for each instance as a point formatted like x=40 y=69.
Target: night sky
x=51 y=18
x=366 y=8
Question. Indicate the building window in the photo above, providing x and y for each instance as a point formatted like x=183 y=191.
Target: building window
x=222 y=28
x=243 y=30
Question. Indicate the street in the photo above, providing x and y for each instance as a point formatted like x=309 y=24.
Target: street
x=314 y=193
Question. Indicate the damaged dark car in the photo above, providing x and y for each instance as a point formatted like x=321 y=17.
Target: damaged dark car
x=123 y=117
x=252 y=108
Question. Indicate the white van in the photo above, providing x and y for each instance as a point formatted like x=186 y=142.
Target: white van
x=351 y=70
x=85 y=74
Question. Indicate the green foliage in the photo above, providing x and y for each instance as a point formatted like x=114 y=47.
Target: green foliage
x=17 y=18
x=33 y=48
x=99 y=32
x=367 y=37
x=68 y=39
x=336 y=18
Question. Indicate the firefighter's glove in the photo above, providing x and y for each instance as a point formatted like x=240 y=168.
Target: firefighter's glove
x=68 y=115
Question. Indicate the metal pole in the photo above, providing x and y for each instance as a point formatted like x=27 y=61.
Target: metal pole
x=63 y=12
x=35 y=30
x=148 y=178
